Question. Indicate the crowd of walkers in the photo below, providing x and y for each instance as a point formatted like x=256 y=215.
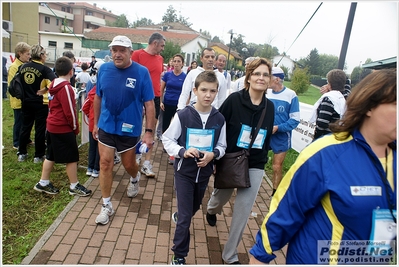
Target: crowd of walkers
x=336 y=189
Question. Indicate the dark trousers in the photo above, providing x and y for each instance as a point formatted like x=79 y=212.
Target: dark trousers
x=16 y=129
x=33 y=113
x=189 y=198
x=5 y=90
x=168 y=114
x=94 y=156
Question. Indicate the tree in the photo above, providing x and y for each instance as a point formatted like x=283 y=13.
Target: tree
x=170 y=50
x=266 y=51
x=121 y=22
x=327 y=63
x=170 y=15
x=142 y=22
x=185 y=21
x=216 y=39
x=206 y=34
x=313 y=62
x=300 y=81
x=237 y=43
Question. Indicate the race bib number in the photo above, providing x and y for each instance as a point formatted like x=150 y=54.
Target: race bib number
x=201 y=139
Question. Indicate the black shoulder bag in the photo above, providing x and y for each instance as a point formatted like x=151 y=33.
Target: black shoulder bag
x=232 y=170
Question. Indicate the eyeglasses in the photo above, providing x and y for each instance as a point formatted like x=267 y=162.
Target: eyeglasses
x=258 y=74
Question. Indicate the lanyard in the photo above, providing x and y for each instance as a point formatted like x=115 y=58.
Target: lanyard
x=384 y=178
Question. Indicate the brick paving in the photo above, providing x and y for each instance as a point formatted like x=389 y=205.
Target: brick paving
x=141 y=231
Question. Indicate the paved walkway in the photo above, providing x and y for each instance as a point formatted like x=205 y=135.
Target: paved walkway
x=141 y=231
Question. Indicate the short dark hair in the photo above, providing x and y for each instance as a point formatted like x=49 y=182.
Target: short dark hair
x=206 y=76
x=206 y=49
x=63 y=66
x=84 y=66
x=156 y=36
x=337 y=79
x=68 y=54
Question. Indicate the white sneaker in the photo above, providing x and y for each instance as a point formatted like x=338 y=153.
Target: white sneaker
x=133 y=188
x=147 y=170
x=106 y=212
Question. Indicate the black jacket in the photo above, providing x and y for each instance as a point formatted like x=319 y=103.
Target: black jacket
x=238 y=109
x=189 y=118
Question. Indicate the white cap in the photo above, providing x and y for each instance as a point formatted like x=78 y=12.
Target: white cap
x=278 y=72
x=121 y=41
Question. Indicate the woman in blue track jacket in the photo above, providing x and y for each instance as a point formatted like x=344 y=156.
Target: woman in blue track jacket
x=337 y=203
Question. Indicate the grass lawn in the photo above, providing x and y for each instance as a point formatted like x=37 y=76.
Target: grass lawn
x=27 y=214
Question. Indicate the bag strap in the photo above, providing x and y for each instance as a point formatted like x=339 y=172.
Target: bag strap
x=262 y=116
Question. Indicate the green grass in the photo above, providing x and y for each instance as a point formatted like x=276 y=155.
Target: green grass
x=310 y=96
x=27 y=214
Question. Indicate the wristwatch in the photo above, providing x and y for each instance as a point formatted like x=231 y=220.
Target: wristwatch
x=148 y=130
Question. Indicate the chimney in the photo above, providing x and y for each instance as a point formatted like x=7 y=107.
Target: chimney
x=94 y=4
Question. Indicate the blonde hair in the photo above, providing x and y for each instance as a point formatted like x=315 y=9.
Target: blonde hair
x=36 y=51
x=22 y=48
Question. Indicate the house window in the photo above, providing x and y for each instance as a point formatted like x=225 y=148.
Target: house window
x=188 y=60
x=87 y=25
x=57 y=22
x=63 y=9
x=52 y=43
x=47 y=20
x=68 y=45
x=103 y=16
x=89 y=13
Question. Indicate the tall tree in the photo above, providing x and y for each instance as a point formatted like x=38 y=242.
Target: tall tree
x=313 y=62
x=121 y=22
x=170 y=15
x=142 y=22
x=327 y=63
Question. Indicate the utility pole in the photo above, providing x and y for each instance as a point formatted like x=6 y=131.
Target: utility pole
x=344 y=48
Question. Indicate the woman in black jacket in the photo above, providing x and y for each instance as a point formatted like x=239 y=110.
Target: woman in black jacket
x=242 y=111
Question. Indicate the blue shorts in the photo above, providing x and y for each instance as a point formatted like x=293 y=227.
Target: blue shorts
x=280 y=142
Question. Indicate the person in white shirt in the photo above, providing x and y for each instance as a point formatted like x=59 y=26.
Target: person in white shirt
x=82 y=78
x=239 y=84
x=187 y=96
x=220 y=64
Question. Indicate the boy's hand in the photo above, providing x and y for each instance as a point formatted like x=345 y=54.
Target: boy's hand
x=205 y=159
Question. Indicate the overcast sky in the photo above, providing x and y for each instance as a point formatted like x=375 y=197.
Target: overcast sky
x=374 y=33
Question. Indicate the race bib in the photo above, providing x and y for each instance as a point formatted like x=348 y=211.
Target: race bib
x=383 y=231
x=244 y=139
x=201 y=139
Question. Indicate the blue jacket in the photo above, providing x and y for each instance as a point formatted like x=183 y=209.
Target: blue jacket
x=318 y=199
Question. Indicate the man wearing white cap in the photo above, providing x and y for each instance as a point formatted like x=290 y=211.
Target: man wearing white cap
x=123 y=88
x=286 y=118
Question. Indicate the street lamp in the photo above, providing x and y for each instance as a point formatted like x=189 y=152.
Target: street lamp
x=228 y=55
